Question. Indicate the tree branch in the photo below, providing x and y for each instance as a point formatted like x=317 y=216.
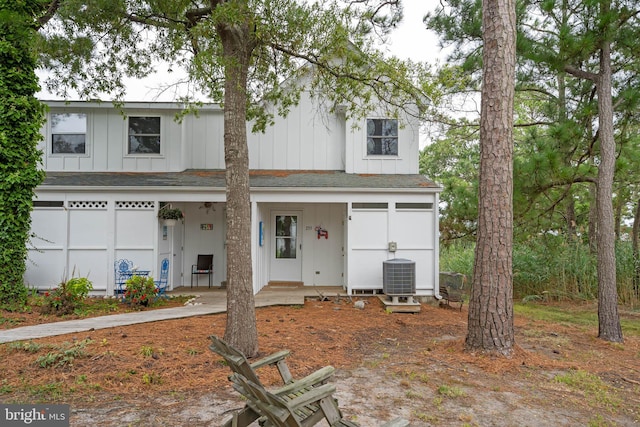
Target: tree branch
x=581 y=73
x=51 y=10
x=369 y=82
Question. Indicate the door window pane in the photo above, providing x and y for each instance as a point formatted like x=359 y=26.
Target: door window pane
x=286 y=236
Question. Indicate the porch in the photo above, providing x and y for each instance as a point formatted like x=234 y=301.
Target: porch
x=269 y=295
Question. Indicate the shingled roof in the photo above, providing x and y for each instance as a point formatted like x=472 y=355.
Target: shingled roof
x=209 y=178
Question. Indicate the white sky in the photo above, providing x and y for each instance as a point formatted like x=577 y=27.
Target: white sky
x=411 y=40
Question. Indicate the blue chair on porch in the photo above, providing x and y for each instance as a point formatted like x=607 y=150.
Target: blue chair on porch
x=122 y=269
x=161 y=284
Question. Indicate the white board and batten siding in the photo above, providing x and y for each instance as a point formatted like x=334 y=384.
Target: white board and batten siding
x=358 y=161
x=107 y=135
x=370 y=230
x=305 y=140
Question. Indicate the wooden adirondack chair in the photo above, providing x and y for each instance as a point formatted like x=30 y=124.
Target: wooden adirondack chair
x=239 y=364
x=300 y=411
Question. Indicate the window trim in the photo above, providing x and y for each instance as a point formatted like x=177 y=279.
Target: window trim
x=87 y=145
x=414 y=206
x=367 y=137
x=370 y=206
x=159 y=134
x=48 y=204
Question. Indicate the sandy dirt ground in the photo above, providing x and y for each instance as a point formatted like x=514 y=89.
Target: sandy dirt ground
x=388 y=365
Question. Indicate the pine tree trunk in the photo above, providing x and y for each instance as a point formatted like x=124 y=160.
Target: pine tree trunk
x=593 y=219
x=241 y=330
x=634 y=244
x=608 y=319
x=491 y=305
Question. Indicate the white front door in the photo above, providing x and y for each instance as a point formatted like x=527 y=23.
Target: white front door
x=286 y=255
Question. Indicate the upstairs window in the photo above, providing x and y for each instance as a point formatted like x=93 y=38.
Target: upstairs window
x=144 y=135
x=68 y=133
x=382 y=137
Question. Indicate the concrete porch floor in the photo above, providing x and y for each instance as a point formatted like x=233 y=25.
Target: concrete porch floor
x=269 y=295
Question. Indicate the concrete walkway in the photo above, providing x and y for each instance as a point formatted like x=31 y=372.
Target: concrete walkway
x=206 y=302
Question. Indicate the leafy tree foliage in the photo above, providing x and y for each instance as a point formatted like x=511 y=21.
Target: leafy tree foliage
x=21 y=116
x=453 y=161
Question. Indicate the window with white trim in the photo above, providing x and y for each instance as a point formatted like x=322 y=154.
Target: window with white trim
x=382 y=137
x=68 y=133
x=144 y=135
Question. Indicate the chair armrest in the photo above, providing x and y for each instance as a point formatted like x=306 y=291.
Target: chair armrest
x=320 y=376
x=272 y=359
x=311 y=396
x=277 y=359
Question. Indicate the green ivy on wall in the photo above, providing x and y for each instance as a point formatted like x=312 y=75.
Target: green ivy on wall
x=21 y=117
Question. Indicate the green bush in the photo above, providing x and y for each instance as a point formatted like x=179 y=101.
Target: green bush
x=552 y=267
x=67 y=297
x=140 y=291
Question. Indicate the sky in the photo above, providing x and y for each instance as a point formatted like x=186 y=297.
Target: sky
x=411 y=40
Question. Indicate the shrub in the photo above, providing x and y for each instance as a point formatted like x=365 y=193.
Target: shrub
x=67 y=297
x=140 y=290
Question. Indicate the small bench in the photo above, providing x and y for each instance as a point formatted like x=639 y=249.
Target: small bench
x=300 y=411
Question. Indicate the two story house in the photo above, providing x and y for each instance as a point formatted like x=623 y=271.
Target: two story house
x=331 y=200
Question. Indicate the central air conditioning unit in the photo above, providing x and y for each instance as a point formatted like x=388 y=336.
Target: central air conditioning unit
x=399 y=277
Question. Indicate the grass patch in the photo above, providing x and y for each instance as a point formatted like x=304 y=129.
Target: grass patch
x=5 y=388
x=146 y=351
x=193 y=351
x=423 y=416
x=64 y=355
x=594 y=389
x=574 y=315
x=410 y=394
x=47 y=392
x=451 y=391
x=151 y=378
x=28 y=347
x=10 y=321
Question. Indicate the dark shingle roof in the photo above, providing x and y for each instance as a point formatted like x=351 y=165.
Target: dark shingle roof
x=216 y=179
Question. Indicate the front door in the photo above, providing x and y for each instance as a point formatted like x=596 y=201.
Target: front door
x=286 y=258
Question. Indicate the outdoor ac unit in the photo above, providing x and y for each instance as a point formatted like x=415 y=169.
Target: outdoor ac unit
x=399 y=277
